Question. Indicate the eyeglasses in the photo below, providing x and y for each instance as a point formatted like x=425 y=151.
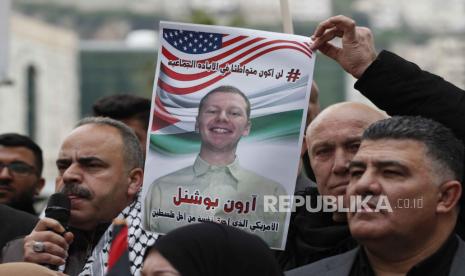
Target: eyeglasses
x=19 y=168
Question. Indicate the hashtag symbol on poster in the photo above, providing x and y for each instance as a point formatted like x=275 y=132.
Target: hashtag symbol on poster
x=293 y=75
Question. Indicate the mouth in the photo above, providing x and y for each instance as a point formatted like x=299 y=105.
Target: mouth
x=5 y=184
x=220 y=130
x=76 y=201
x=340 y=187
x=368 y=207
x=5 y=190
x=74 y=197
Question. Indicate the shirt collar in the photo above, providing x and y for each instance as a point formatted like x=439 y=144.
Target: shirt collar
x=201 y=167
x=438 y=263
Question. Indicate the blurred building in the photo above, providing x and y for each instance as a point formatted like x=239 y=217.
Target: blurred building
x=43 y=99
x=432 y=16
x=4 y=38
x=117 y=67
x=253 y=12
x=442 y=55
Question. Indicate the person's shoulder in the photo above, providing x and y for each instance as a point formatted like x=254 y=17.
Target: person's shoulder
x=335 y=265
x=11 y=214
x=458 y=263
x=15 y=223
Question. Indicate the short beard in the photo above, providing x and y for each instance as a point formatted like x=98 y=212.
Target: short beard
x=24 y=202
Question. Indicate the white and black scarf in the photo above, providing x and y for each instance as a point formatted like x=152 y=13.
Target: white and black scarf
x=138 y=241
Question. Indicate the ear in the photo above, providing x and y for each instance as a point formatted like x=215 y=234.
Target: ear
x=39 y=186
x=449 y=195
x=246 y=131
x=135 y=178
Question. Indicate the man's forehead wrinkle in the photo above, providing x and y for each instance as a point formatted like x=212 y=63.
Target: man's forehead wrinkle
x=77 y=152
x=357 y=163
x=343 y=139
x=353 y=110
x=336 y=126
x=391 y=150
x=359 y=114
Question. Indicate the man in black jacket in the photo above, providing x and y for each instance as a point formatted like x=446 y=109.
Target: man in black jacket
x=402 y=163
x=100 y=170
x=393 y=84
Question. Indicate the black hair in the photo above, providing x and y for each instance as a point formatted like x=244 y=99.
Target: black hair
x=441 y=144
x=18 y=140
x=123 y=106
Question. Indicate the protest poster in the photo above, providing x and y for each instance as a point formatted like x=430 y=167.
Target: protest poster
x=219 y=163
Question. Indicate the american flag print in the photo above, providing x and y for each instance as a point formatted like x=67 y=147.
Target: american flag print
x=273 y=70
x=193 y=61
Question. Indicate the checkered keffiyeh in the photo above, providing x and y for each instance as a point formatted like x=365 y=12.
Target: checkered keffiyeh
x=138 y=241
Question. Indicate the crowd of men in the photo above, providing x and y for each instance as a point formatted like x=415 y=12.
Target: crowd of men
x=354 y=150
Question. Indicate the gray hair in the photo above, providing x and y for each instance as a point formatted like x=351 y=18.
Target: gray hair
x=444 y=149
x=132 y=150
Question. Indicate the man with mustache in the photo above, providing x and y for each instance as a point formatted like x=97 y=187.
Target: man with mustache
x=392 y=83
x=223 y=119
x=21 y=166
x=100 y=170
x=416 y=164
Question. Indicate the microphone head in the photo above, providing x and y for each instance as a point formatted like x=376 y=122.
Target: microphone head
x=58 y=208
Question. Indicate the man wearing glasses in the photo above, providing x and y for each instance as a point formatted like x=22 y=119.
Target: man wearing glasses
x=21 y=166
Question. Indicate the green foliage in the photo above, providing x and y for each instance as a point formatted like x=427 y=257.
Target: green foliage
x=342 y=7
x=201 y=17
x=237 y=20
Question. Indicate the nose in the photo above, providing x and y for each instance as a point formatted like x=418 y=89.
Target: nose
x=72 y=174
x=341 y=162
x=222 y=116
x=5 y=173
x=367 y=184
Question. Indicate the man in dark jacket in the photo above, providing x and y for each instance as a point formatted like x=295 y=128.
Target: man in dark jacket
x=404 y=165
x=100 y=170
x=392 y=83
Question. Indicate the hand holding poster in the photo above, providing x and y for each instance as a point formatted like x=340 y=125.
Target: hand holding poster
x=216 y=87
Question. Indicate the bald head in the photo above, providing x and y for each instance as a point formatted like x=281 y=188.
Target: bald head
x=333 y=138
x=340 y=113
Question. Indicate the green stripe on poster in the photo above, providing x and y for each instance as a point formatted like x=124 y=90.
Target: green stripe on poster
x=265 y=128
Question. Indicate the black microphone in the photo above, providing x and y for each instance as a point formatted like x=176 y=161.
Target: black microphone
x=58 y=208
